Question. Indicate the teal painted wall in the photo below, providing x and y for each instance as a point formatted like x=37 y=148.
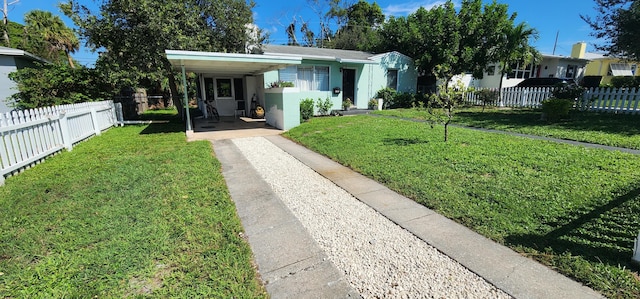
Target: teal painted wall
x=369 y=78
x=282 y=107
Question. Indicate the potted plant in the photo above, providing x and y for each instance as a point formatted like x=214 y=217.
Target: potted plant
x=280 y=84
x=373 y=104
x=346 y=104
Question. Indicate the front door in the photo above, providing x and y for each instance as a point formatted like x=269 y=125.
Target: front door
x=349 y=85
x=225 y=100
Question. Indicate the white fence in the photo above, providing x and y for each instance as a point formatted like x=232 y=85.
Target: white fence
x=617 y=100
x=29 y=136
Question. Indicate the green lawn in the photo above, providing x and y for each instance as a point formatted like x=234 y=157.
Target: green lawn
x=572 y=208
x=136 y=212
x=603 y=128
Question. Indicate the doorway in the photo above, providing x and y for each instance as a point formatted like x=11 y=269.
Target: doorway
x=349 y=85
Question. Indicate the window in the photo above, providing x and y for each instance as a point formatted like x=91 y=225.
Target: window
x=223 y=88
x=620 y=69
x=392 y=79
x=491 y=70
x=306 y=78
x=521 y=72
x=571 y=71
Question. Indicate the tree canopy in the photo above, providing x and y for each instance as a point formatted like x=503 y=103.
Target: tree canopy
x=445 y=42
x=618 y=23
x=133 y=35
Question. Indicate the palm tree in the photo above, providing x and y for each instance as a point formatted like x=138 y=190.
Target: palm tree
x=46 y=28
x=515 y=48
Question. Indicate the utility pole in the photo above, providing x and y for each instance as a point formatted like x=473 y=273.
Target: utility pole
x=5 y=20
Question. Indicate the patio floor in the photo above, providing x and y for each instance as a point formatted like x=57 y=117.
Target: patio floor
x=230 y=127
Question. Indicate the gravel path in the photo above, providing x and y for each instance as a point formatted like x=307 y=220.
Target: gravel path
x=379 y=258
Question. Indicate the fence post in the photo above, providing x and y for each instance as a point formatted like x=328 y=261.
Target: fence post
x=64 y=129
x=94 y=118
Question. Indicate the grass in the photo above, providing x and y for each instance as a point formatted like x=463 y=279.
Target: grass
x=135 y=212
x=619 y=130
x=573 y=208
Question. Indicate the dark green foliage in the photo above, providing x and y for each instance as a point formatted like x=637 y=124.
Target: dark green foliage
x=324 y=107
x=388 y=95
x=488 y=96
x=56 y=84
x=625 y=81
x=555 y=109
x=306 y=109
x=616 y=27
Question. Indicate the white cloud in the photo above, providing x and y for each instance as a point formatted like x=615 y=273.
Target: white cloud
x=410 y=7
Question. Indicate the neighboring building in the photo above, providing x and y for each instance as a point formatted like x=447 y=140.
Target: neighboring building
x=572 y=67
x=607 y=67
x=12 y=60
x=233 y=81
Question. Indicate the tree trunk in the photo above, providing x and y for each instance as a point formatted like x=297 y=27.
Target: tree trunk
x=173 y=85
x=500 y=85
x=69 y=59
x=446 y=131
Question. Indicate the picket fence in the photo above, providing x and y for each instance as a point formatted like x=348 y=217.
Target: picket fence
x=29 y=136
x=615 y=100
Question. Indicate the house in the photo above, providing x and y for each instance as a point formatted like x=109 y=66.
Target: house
x=571 y=67
x=12 y=60
x=237 y=83
x=604 y=67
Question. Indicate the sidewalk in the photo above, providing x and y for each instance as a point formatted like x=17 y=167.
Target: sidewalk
x=293 y=267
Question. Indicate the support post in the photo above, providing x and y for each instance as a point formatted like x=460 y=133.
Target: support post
x=94 y=118
x=186 y=98
x=64 y=130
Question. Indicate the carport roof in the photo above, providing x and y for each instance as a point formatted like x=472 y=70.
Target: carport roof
x=228 y=63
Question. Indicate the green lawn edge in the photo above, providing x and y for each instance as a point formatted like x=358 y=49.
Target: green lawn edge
x=135 y=212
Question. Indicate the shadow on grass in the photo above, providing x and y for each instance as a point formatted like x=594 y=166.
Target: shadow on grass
x=605 y=234
x=403 y=141
x=622 y=124
x=161 y=128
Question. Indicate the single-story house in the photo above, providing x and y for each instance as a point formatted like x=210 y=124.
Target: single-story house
x=236 y=83
x=12 y=60
x=557 y=66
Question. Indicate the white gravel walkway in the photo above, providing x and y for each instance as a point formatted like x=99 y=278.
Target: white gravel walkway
x=379 y=258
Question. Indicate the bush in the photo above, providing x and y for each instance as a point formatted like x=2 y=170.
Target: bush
x=487 y=96
x=324 y=107
x=554 y=109
x=404 y=100
x=624 y=82
x=306 y=109
x=387 y=94
x=568 y=91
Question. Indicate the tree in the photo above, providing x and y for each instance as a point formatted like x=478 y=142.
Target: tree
x=618 y=23
x=57 y=84
x=135 y=34
x=445 y=42
x=362 y=19
x=515 y=48
x=50 y=35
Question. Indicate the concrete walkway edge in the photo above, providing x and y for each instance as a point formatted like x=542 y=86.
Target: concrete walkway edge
x=519 y=276
x=290 y=262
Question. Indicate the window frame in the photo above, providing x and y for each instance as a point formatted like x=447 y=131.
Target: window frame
x=314 y=83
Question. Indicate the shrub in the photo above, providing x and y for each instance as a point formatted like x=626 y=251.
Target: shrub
x=403 y=100
x=373 y=104
x=324 y=106
x=387 y=94
x=306 y=109
x=554 y=109
x=487 y=96
x=568 y=91
x=278 y=84
x=624 y=81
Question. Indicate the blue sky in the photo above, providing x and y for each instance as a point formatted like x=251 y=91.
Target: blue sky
x=547 y=16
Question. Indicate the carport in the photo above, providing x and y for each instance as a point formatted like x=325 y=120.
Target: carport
x=232 y=82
